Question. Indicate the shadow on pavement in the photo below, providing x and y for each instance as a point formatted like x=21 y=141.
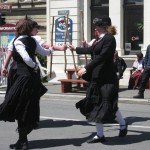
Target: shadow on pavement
x=61 y=123
x=138 y=136
x=134 y=119
x=49 y=143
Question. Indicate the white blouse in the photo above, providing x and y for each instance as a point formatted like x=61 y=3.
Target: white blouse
x=20 y=48
x=138 y=64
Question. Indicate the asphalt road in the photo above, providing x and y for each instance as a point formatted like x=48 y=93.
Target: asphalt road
x=62 y=127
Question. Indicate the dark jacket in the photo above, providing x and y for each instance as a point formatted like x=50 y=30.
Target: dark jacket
x=147 y=58
x=101 y=67
x=120 y=66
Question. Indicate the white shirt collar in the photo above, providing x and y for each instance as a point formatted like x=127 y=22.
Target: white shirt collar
x=102 y=35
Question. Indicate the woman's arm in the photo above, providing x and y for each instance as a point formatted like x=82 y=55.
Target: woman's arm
x=59 y=48
x=7 y=60
x=81 y=50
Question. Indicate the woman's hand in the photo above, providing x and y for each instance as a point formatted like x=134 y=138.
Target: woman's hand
x=46 y=45
x=71 y=47
x=81 y=72
x=4 y=72
x=84 y=44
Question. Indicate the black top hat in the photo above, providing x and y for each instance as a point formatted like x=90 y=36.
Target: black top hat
x=106 y=21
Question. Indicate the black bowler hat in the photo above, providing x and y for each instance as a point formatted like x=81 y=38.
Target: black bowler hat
x=35 y=24
x=105 y=21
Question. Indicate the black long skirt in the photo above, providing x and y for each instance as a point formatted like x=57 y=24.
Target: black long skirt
x=100 y=104
x=22 y=101
x=12 y=76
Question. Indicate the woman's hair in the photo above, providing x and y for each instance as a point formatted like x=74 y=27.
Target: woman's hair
x=139 y=55
x=112 y=30
x=23 y=27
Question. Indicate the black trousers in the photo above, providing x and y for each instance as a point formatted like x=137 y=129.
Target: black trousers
x=145 y=77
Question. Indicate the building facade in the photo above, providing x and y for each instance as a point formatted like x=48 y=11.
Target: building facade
x=131 y=18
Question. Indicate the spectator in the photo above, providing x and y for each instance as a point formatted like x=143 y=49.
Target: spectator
x=136 y=72
x=145 y=74
x=120 y=65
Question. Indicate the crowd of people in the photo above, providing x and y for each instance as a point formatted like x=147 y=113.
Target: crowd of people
x=105 y=69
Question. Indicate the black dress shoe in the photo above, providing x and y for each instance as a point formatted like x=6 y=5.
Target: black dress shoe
x=97 y=140
x=139 y=96
x=19 y=145
x=124 y=131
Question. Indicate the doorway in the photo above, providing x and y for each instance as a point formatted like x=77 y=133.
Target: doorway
x=99 y=9
x=133 y=25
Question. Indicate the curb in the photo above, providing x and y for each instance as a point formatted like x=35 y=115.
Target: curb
x=75 y=97
x=79 y=97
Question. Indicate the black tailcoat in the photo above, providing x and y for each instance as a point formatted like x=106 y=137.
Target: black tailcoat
x=101 y=102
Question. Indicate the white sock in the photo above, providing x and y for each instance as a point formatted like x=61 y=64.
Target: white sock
x=120 y=120
x=99 y=130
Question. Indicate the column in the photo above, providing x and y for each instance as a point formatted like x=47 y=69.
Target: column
x=87 y=20
x=116 y=15
x=146 y=32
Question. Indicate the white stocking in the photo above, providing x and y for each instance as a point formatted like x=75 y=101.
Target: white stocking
x=99 y=130
x=120 y=119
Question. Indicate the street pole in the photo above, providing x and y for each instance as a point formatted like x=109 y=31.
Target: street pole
x=48 y=30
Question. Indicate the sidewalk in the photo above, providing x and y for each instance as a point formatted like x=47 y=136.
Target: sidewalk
x=125 y=95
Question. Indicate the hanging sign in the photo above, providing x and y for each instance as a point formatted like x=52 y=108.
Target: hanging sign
x=7 y=33
x=60 y=30
x=5 y=7
x=7 y=28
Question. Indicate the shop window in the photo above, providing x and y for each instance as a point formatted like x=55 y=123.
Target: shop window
x=3 y=1
x=133 y=1
x=133 y=30
x=99 y=2
x=99 y=9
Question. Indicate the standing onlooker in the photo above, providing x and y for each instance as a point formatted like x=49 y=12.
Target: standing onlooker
x=120 y=65
x=101 y=102
x=22 y=100
x=145 y=74
x=136 y=72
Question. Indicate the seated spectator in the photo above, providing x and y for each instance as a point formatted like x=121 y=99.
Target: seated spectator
x=136 y=72
x=120 y=65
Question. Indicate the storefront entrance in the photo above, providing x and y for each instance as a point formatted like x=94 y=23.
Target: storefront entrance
x=133 y=25
x=99 y=9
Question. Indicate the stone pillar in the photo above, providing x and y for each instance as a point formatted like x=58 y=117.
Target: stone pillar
x=146 y=32
x=87 y=20
x=116 y=15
